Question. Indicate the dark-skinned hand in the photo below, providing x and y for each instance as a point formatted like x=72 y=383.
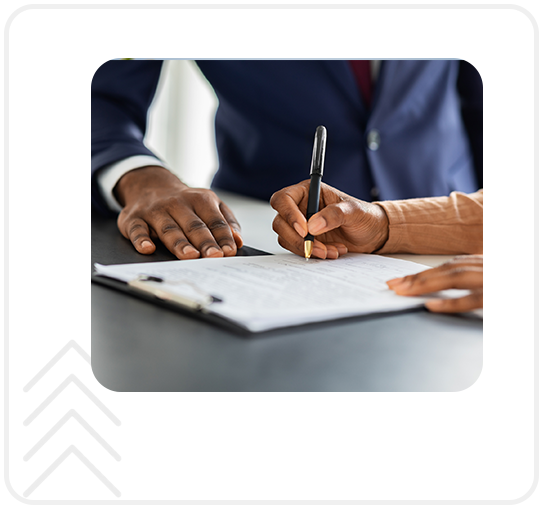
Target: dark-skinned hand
x=464 y=272
x=343 y=223
x=190 y=222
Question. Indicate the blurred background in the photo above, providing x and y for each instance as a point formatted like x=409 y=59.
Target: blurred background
x=181 y=120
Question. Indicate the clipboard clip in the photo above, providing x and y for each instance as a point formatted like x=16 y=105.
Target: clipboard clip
x=186 y=293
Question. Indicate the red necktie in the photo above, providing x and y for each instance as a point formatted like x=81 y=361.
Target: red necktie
x=362 y=73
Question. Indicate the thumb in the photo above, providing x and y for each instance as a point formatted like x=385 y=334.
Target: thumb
x=329 y=218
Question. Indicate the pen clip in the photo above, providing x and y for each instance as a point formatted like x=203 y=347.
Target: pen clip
x=319 y=148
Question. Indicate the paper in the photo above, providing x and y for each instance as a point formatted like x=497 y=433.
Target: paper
x=267 y=292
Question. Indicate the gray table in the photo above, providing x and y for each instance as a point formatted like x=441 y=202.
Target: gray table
x=138 y=346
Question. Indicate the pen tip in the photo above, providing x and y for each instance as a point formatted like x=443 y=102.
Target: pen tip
x=308 y=249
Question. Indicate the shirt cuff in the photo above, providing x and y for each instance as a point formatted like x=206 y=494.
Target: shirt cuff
x=108 y=176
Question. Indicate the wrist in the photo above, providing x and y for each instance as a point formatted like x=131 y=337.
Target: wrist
x=382 y=227
x=143 y=179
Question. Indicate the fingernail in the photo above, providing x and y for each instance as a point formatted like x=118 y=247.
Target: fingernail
x=228 y=249
x=214 y=252
x=393 y=282
x=146 y=244
x=342 y=250
x=190 y=250
x=434 y=304
x=299 y=230
x=316 y=225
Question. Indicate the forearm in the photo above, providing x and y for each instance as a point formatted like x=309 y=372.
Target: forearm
x=443 y=225
x=121 y=93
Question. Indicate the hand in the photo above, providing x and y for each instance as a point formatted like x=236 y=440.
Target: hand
x=342 y=224
x=189 y=222
x=461 y=272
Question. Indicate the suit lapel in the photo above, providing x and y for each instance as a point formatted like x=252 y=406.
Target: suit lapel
x=342 y=76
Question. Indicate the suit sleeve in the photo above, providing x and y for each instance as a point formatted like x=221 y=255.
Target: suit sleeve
x=442 y=225
x=470 y=91
x=121 y=93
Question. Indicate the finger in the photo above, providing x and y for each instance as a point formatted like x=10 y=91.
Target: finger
x=137 y=231
x=289 y=247
x=467 y=303
x=221 y=231
x=461 y=261
x=233 y=222
x=341 y=248
x=407 y=281
x=465 y=261
x=330 y=217
x=285 y=231
x=199 y=235
x=332 y=252
x=433 y=281
x=173 y=237
x=289 y=203
x=319 y=250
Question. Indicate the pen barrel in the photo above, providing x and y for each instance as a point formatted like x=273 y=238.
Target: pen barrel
x=314 y=195
x=316 y=171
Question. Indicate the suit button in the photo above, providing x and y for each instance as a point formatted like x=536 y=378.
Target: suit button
x=374 y=139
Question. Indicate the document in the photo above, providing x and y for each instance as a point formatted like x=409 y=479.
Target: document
x=267 y=292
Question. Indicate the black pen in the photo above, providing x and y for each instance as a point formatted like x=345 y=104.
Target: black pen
x=317 y=168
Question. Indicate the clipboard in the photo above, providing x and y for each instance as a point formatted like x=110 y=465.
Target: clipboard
x=147 y=287
x=261 y=293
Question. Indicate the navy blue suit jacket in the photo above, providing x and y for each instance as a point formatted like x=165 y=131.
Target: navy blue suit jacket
x=425 y=122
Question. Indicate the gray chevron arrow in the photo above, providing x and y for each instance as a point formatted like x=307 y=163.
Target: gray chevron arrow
x=71 y=450
x=71 y=414
x=70 y=345
x=71 y=379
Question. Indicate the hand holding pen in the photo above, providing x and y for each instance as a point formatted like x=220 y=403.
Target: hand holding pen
x=342 y=224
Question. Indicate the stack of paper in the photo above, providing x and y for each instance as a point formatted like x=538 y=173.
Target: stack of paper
x=267 y=292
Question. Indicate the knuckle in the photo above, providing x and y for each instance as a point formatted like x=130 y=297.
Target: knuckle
x=274 y=199
x=235 y=225
x=181 y=241
x=207 y=196
x=172 y=202
x=224 y=241
x=458 y=271
x=195 y=226
x=338 y=213
x=169 y=228
x=133 y=229
x=278 y=198
x=276 y=224
x=217 y=224
x=415 y=278
x=136 y=238
x=205 y=245
x=155 y=211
